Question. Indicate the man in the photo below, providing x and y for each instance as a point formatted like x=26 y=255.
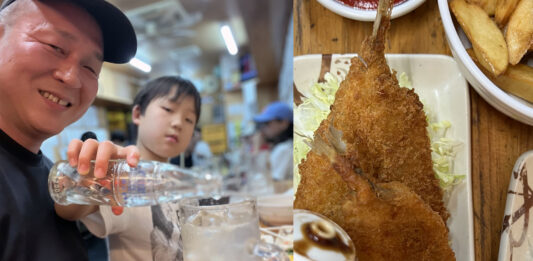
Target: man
x=51 y=53
x=276 y=125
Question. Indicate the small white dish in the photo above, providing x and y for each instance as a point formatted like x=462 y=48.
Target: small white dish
x=368 y=15
x=516 y=241
x=275 y=210
x=506 y=103
x=441 y=86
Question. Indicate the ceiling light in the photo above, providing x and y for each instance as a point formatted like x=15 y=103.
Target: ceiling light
x=140 y=65
x=229 y=40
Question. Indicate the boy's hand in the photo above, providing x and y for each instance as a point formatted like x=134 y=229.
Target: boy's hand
x=81 y=153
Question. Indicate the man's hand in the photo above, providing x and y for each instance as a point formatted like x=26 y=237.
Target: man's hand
x=80 y=153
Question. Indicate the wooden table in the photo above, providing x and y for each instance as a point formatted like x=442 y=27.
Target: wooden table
x=497 y=140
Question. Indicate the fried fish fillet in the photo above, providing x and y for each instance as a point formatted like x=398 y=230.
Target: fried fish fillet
x=371 y=109
x=386 y=221
x=396 y=225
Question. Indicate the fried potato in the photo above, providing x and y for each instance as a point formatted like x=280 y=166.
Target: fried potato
x=504 y=9
x=488 y=5
x=488 y=42
x=517 y=79
x=520 y=31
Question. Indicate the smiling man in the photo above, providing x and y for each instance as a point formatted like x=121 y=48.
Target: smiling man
x=51 y=53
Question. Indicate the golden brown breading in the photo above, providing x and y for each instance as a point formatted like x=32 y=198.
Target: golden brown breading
x=321 y=189
x=370 y=107
x=386 y=221
x=395 y=224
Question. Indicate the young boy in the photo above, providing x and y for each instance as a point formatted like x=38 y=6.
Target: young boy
x=165 y=111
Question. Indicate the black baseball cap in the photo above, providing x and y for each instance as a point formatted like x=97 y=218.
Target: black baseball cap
x=120 y=42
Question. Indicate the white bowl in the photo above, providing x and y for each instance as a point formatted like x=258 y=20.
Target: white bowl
x=368 y=15
x=275 y=210
x=506 y=103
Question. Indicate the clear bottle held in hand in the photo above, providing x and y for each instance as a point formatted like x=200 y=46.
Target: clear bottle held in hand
x=150 y=183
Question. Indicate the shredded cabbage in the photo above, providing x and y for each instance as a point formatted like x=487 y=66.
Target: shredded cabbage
x=308 y=116
x=443 y=151
x=403 y=81
x=315 y=108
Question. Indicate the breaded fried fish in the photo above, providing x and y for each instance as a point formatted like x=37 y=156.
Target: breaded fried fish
x=372 y=110
x=386 y=221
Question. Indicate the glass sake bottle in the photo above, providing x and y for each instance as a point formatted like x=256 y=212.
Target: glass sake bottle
x=150 y=183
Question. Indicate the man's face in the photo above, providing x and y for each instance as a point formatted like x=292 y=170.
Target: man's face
x=272 y=129
x=50 y=59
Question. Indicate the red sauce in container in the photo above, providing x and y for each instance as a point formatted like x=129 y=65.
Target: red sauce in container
x=366 y=4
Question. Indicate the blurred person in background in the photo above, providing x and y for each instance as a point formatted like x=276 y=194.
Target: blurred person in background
x=275 y=125
x=201 y=153
x=197 y=154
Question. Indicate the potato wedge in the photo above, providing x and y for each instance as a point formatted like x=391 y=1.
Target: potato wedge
x=517 y=79
x=504 y=9
x=488 y=5
x=520 y=31
x=486 y=38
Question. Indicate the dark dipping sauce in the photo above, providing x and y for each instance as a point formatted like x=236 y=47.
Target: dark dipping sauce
x=311 y=239
x=366 y=4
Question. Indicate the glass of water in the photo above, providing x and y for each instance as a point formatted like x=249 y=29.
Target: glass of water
x=223 y=228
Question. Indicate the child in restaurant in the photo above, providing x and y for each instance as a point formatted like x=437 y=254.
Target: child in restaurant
x=165 y=111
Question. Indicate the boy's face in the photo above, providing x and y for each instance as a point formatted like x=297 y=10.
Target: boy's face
x=166 y=127
x=50 y=59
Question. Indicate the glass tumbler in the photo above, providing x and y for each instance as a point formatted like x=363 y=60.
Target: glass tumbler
x=223 y=228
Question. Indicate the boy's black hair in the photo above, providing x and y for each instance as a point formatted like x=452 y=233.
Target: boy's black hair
x=162 y=86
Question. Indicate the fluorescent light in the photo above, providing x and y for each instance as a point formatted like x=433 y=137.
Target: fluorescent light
x=229 y=40
x=140 y=65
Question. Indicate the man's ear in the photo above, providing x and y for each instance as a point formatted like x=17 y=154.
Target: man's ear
x=136 y=115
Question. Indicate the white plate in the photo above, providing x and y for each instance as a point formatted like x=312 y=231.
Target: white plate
x=275 y=210
x=516 y=229
x=438 y=82
x=368 y=15
x=506 y=103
